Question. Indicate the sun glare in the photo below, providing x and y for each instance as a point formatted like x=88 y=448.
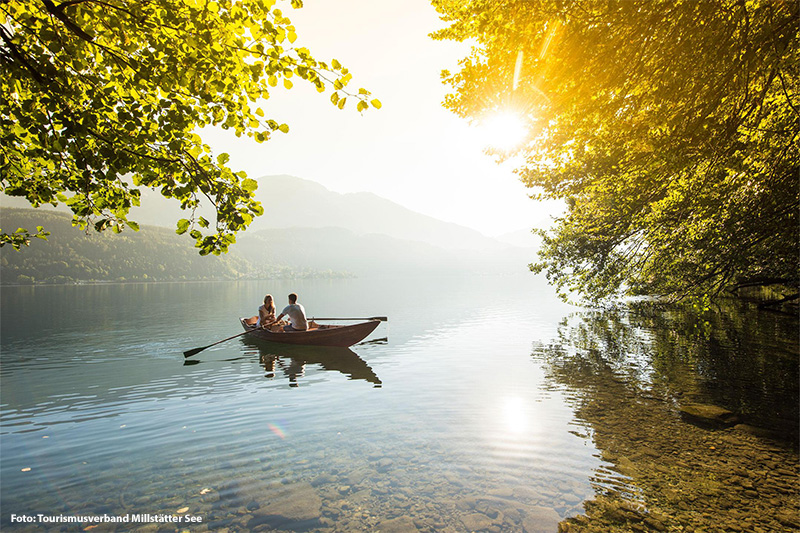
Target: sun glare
x=515 y=415
x=504 y=130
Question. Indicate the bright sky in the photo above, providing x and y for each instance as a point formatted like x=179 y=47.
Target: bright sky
x=412 y=151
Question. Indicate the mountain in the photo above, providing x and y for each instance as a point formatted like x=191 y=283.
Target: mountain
x=523 y=238
x=291 y=202
x=304 y=223
x=71 y=255
x=151 y=254
x=339 y=249
x=306 y=230
x=158 y=254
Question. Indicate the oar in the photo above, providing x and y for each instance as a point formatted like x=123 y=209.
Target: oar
x=195 y=351
x=381 y=318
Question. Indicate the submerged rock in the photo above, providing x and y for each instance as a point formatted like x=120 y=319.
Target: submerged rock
x=708 y=414
x=402 y=524
x=476 y=522
x=297 y=502
x=540 y=519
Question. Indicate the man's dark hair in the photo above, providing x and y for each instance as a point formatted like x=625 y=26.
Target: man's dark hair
x=292 y=298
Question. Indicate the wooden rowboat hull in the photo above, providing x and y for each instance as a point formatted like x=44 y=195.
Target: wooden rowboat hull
x=324 y=335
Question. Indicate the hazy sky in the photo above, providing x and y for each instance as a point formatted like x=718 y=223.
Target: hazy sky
x=412 y=151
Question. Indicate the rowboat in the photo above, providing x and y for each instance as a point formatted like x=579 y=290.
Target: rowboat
x=316 y=335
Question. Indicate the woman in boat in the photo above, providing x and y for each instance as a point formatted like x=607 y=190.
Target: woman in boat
x=266 y=313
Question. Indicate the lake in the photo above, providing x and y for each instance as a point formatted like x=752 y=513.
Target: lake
x=483 y=404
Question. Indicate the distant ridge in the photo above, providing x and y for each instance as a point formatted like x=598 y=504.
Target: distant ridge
x=158 y=254
x=74 y=256
x=523 y=238
x=291 y=202
x=306 y=229
x=339 y=249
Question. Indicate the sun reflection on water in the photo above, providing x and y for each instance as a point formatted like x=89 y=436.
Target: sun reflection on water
x=515 y=415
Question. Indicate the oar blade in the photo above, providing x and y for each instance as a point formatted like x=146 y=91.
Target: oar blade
x=193 y=351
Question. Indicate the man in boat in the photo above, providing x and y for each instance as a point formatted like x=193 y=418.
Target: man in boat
x=296 y=314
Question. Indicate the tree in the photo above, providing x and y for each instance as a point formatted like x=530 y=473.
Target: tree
x=669 y=129
x=101 y=97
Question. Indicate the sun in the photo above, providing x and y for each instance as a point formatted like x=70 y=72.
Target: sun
x=504 y=130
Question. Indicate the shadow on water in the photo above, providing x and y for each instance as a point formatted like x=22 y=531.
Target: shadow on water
x=291 y=361
x=697 y=414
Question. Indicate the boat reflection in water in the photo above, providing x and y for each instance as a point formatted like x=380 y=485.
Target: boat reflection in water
x=291 y=360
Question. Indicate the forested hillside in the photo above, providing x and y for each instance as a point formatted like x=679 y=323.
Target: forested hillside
x=151 y=254
x=158 y=254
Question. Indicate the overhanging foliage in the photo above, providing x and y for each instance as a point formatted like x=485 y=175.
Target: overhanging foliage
x=101 y=97
x=669 y=128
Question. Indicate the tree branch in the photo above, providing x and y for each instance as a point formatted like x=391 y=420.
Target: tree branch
x=773 y=303
x=786 y=94
x=764 y=282
x=19 y=56
x=58 y=12
x=63 y=5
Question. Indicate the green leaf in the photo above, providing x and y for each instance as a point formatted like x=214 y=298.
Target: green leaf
x=249 y=185
x=183 y=226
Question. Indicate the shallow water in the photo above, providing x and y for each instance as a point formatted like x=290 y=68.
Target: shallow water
x=470 y=410
x=637 y=378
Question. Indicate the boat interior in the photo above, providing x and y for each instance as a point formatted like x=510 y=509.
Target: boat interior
x=278 y=326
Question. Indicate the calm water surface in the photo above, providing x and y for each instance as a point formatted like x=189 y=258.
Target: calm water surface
x=484 y=404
